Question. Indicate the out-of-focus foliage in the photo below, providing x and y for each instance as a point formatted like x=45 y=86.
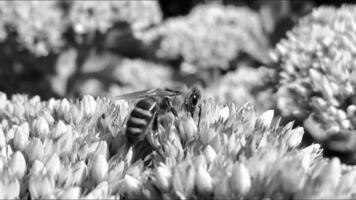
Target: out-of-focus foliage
x=61 y=149
x=35 y=25
x=318 y=76
x=211 y=36
x=89 y=16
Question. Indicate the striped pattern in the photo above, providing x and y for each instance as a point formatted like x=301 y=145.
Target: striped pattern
x=139 y=120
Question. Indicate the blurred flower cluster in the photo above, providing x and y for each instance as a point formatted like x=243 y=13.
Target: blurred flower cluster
x=36 y=25
x=138 y=74
x=317 y=76
x=42 y=26
x=211 y=36
x=245 y=84
x=77 y=149
x=89 y=16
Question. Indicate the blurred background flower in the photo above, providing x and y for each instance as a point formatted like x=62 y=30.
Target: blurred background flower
x=317 y=77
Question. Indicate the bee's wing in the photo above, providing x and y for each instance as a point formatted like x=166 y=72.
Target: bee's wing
x=148 y=93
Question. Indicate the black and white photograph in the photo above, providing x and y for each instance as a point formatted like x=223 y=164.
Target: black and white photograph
x=177 y=100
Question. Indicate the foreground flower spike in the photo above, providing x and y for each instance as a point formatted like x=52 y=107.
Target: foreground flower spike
x=239 y=155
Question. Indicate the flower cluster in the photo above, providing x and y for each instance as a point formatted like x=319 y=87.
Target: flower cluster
x=138 y=74
x=246 y=84
x=211 y=36
x=38 y=25
x=41 y=26
x=318 y=74
x=63 y=149
x=88 y=16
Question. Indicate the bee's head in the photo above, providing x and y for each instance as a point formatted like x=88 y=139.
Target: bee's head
x=192 y=99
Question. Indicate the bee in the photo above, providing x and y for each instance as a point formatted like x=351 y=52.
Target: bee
x=151 y=104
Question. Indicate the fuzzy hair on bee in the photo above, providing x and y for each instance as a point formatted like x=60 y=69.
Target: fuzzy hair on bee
x=143 y=120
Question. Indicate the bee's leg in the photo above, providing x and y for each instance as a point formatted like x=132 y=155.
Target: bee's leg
x=199 y=115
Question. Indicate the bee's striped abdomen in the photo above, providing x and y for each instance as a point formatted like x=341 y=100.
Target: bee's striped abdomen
x=139 y=120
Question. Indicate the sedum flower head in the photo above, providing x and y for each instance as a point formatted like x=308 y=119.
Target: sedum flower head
x=212 y=35
x=91 y=16
x=317 y=74
x=42 y=33
x=235 y=153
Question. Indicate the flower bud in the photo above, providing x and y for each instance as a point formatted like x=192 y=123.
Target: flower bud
x=48 y=148
x=19 y=110
x=70 y=193
x=102 y=149
x=34 y=150
x=207 y=135
x=20 y=138
x=40 y=128
x=63 y=107
x=88 y=105
x=210 y=154
x=328 y=177
x=80 y=172
x=45 y=114
x=53 y=165
x=10 y=135
x=203 y=181
x=51 y=104
x=65 y=143
x=9 y=186
x=224 y=113
x=163 y=177
x=17 y=165
x=37 y=168
x=240 y=180
x=6 y=152
x=183 y=180
x=100 y=192
x=265 y=120
x=59 y=129
x=99 y=168
x=41 y=186
x=200 y=161
x=188 y=129
x=294 y=137
x=132 y=187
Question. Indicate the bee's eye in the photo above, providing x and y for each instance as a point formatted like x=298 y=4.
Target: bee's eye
x=194 y=99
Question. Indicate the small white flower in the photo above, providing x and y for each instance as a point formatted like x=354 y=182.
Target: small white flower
x=40 y=127
x=99 y=168
x=41 y=186
x=210 y=154
x=163 y=177
x=265 y=120
x=37 y=168
x=188 y=129
x=203 y=181
x=34 y=150
x=18 y=165
x=21 y=137
x=53 y=165
x=88 y=105
x=240 y=179
x=70 y=193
